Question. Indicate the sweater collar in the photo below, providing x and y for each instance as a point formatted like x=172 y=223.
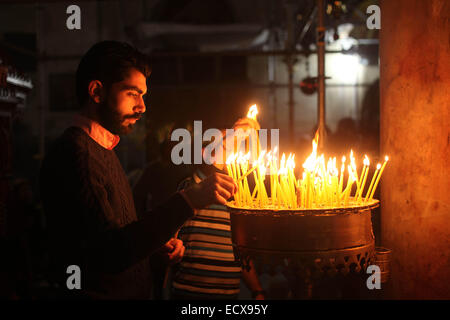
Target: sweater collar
x=98 y=133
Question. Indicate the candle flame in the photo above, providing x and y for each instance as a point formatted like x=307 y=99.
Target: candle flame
x=331 y=167
x=378 y=166
x=311 y=161
x=352 y=160
x=262 y=168
x=351 y=173
x=252 y=112
x=366 y=161
x=232 y=158
x=316 y=138
x=290 y=163
x=261 y=156
x=283 y=161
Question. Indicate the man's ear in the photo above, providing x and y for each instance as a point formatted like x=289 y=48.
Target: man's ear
x=95 y=90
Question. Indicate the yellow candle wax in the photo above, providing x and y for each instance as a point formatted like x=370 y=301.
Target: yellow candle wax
x=236 y=196
x=230 y=173
x=361 y=187
x=265 y=195
x=262 y=187
x=361 y=178
x=271 y=184
x=246 y=186
x=341 y=180
x=273 y=192
x=372 y=182
x=255 y=176
x=347 y=194
x=254 y=192
x=310 y=189
x=292 y=186
x=233 y=167
x=302 y=195
x=291 y=191
x=240 y=187
x=247 y=192
x=366 y=166
x=335 y=191
x=279 y=194
x=350 y=182
x=386 y=159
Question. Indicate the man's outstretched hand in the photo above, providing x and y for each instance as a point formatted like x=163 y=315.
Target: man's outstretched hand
x=215 y=189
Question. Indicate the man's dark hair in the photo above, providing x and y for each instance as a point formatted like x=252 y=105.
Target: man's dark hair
x=108 y=62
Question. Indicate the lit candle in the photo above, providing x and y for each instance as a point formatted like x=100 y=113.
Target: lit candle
x=241 y=188
x=309 y=186
x=246 y=187
x=262 y=176
x=335 y=191
x=274 y=172
x=341 y=179
x=350 y=181
x=354 y=171
x=251 y=114
x=229 y=163
x=286 y=192
x=254 y=192
x=303 y=196
x=386 y=159
x=255 y=176
x=233 y=167
x=230 y=173
x=372 y=182
x=364 y=179
x=291 y=178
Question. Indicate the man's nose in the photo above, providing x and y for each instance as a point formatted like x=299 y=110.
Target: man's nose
x=141 y=106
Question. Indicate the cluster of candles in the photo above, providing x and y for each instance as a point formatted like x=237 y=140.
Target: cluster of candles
x=320 y=186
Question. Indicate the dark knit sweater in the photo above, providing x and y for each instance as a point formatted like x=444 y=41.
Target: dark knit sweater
x=92 y=219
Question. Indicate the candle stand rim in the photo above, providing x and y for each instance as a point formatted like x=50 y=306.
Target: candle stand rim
x=372 y=204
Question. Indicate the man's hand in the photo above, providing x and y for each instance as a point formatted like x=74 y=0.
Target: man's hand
x=215 y=189
x=173 y=251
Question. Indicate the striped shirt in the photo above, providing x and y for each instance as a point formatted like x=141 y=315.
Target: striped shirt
x=209 y=269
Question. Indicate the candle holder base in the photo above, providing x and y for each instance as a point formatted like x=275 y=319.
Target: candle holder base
x=314 y=244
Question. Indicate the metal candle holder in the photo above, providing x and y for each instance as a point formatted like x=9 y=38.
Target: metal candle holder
x=318 y=242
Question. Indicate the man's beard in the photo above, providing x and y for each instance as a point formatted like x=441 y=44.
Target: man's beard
x=112 y=120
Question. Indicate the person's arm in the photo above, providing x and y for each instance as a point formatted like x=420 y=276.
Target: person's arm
x=112 y=249
x=82 y=221
x=252 y=282
x=115 y=249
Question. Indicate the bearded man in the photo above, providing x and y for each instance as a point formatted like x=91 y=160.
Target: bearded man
x=86 y=195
